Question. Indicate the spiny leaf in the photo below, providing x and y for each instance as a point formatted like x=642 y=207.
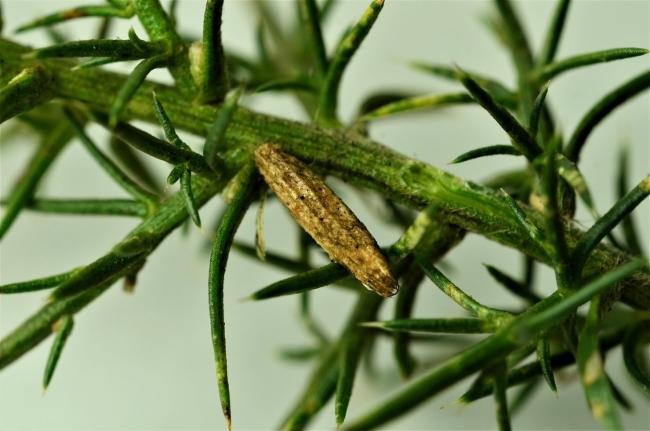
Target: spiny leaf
x=601 y=109
x=157 y=148
x=438 y=325
x=572 y=175
x=113 y=207
x=303 y=282
x=108 y=165
x=298 y=84
x=554 y=33
x=131 y=85
x=630 y=232
x=491 y=150
x=522 y=57
x=37 y=284
x=500 y=92
x=166 y=124
x=521 y=139
x=379 y=99
x=214 y=141
x=554 y=226
x=186 y=189
x=341 y=58
x=500 y=376
x=536 y=111
x=432 y=101
x=122 y=49
x=531 y=229
x=634 y=355
x=550 y=71
x=212 y=71
x=225 y=234
x=458 y=296
x=23 y=191
x=351 y=349
x=592 y=373
x=310 y=17
x=543 y=351
x=64 y=328
x=512 y=285
x=77 y=12
x=607 y=222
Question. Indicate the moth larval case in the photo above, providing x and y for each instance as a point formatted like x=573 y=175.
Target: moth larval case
x=326 y=218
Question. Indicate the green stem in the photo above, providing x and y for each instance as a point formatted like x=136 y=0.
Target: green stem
x=356 y=160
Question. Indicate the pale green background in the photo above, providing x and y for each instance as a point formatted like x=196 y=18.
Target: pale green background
x=144 y=362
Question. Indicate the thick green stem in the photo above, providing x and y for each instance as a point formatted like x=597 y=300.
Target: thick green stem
x=357 y=160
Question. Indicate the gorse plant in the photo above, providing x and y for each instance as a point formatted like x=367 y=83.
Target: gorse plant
x=60 y=89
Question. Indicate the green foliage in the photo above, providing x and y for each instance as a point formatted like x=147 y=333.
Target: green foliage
x=59 y=91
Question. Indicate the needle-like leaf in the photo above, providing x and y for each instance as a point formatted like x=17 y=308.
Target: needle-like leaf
x=536 y=111
x=214 y=141
x=23 y=191
x=228 y=225
x=37 y=284
x=212 y=71
x=500 y=92
x=521 y=139
x=108 y=165
x=303 y=282
x=554 y=69
x=63 y=330
x=543 y=351
x=500 y=376
x=113 y=207
x=132 y=83
x=554 y=33
x=341 y=58
x=78 y=12
x=554 y=225
x=310 y=17
x=458 y=296
x=418 y=103
x=592 y=373
x=607 y=222
x=186 y=189
x=157 y=148
x=491 y=150
x=436 y=326
x=601 y=109
x=630 y=232
x=531 y=229
x=122 y=49
x=635 y=357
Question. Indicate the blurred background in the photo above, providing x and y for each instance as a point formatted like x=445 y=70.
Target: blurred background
x=144 y=361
